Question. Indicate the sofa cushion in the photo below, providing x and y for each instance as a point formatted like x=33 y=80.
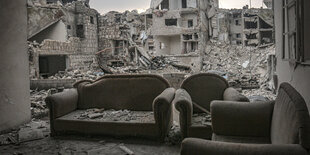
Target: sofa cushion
x=290 y=121
x=132 y=92
x=111 y=123
x=204 y=88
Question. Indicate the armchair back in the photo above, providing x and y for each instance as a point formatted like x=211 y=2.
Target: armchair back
x=204 y=88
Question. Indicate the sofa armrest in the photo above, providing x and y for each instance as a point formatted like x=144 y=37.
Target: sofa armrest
x=242 y=118
x=62 y=103
x=183 y=103
x=162 y=108
x=199 y=146
x=231 y=94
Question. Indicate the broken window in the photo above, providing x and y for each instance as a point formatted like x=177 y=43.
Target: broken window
x=171 y=22
x=237 y=22
x=184 y=3
x=250 y=25
x=190 y=23
x=187 y=37
x=91 y=19
x=80 y=31
x=238 y=35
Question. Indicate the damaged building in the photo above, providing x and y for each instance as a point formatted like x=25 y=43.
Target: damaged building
x=247 y=27
x=61 y=37
x=181 y=29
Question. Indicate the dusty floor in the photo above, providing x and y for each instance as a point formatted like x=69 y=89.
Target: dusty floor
x=81 y=145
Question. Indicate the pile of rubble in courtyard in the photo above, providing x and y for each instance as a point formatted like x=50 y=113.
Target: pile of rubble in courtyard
x=243 y=67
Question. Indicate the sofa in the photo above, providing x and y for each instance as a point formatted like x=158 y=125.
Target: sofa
x=199 y=90
x=139 y=95
x=280 y=127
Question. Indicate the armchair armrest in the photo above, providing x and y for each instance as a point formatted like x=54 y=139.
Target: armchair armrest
x=183 y=103
x=63 y=103
x=198 y=146
x=162 y=108
x=241 y=118
x=231 y=94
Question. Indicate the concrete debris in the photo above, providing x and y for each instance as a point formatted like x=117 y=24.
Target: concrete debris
x=126 y=150
x=244 y=67
x=174 y=136
x=201 y=119
x=29 y=135
x=77 y=74
x=34 y=130
x=113 y=115
x=38 y=105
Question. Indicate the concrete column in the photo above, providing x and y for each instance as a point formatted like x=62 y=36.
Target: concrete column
x=14 y=65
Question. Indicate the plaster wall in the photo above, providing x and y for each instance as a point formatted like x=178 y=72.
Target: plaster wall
x=14 y=77
x=298 y=76
x=57 y=31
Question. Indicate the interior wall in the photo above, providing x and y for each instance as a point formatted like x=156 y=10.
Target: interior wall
x=192 y=3
x=175 y=45
x=172 y=45
x=298 y=76
x=14 y=65
x=175 y=4
x=57 y=31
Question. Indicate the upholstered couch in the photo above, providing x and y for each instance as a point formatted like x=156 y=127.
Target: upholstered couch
x=141 y=94
x=201 y=89
x=266 y=128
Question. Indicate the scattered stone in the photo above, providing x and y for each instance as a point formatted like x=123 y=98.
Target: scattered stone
x=30 y=135
x=126 y=150
x=95 y=115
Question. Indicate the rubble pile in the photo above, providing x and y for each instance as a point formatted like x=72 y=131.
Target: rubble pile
x=34 y=130
x=243 y=67
x=37 y=98
x=114 y=115
x=77 y=75
x=38 y=105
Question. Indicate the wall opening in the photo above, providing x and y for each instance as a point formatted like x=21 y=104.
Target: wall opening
x=171 y=22
x=190 y=23
x=50 y=65
x=165 y=4
x=184 y=3
x=92 y=20
x=250 y=25
x=266 y=37
x=80 y=31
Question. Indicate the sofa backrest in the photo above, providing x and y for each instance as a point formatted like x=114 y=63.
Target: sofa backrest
x=204 y=88
x=132 y=92
x=290 y=121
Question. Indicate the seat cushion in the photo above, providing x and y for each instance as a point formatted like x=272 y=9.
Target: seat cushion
x=290 y=121
x=204 y=88
x=201 y=126
x=239 y=139
x=115 y=123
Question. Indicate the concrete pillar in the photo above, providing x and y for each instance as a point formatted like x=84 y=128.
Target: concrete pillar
x=14 y=65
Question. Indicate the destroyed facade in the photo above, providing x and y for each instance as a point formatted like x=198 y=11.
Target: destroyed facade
x=246 y=27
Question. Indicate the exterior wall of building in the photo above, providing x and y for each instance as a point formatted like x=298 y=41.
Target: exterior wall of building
x=295 y=74
x=88 y=18
x=14 y=77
